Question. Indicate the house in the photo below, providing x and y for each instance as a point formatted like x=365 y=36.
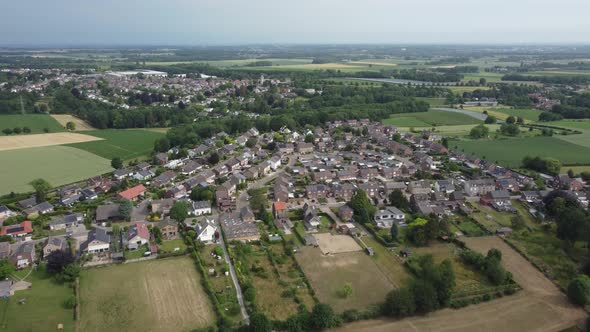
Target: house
x=5 y=212
x=190 y=168
x=286 y=148
x=311 y=219
x=206 y=230
x=137 y=235
x=316 y=191
x=161 y=158
x=66 y=221
x=345 y=213
x=164 y=179
x=134 y=193
x=284 y=224
x=343 y=191
x=236 y=229
x=304 y=148
x=144 y=175
x=251 y=173
x=371 y=188
x=27 y=203
x=445 y=186
x=275 y=162
x=220 y=170
x=419 y=187
x=99 y=241
x=89 y=194
x=18 y=230
x=368 y=174
x=223 y=200
x=162 y=206
x=54 y=244
x=200 y=208
x=178 y=191
x=386 y=218
x=108 y=212
x=41 y=208
x=122 y=173
x=143 y=166
x=247 y=215
x=24 y=255
x=168 y=229
x=479 y=187
x=279 y=210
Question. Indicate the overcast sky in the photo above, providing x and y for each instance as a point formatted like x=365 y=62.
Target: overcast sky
x=205 y=22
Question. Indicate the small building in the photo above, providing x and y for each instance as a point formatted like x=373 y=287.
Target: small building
x=54 y=244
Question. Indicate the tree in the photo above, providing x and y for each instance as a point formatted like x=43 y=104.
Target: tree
x=445 y=282
x=399 y=200
x=7 y=131
x=251 y=142
x=213 y=158
x=125 y=208
x=26 y=130
x=116 y=163
x=362 y=207
x=6 y=268
x=70 y=273
x=578 y=290
x=479 y=131
x=570 y=173
x=425 y=296
x=394 y=231
x=309 y=138
x=482 y=81
x=400 y=303
x=17 y=130
x=179 y=211
x=510 y=129
x=345 y=291
x=70 y=126
x=490 y=119
x=202 y=194
x=520 y=120
x=58 y=260
x=259 y=323
x=322 y=317
x=41 y=187
x=517 y=222
x=510 y=120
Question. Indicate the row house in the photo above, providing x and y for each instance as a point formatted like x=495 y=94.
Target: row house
x=371 y=188
x=316 y=191
x=343 y=191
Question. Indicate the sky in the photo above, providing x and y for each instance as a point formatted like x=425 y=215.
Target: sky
x=230 y=22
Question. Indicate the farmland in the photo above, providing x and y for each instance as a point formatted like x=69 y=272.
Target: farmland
x=63 y=119
x=61 y=165
x=125 y=144
x=510 y=152
x=43 y=309
x=38 y=140
x=329 y=273
x=36 y=122
x=163 y=295
x=430 y=118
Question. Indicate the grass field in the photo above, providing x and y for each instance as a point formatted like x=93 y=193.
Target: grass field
x=329 y=273
x=157 y=295
x=36 y=122
x=528 y=114
x=391 y=265
x=430 y=118
x=510 y=152
x=433 y=101
x=43 y=309
x=63 y=119
x=57 y=164
x=126 y=144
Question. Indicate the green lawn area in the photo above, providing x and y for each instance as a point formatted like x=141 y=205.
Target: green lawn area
x=391 y=265
x=124 y=143
x=510 y=152
x=43 y=309
x=530 y=114
x=170 y=245
x=57 y=164
x=469 y=228
x=430 y=118
x=36 y=122
x=570 y=123
x=138 y=253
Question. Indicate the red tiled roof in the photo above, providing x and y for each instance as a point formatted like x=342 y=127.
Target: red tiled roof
x=280 y=206
x=24 y=227
x=132 y=193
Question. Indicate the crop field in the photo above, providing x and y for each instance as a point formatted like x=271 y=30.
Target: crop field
x=63 y=119
x=36 y=122
x=162 y=295
x=39 y=140
x=510 y=152
x=430 y=118
x=43 y=308
x=57 y=164
x=329 y=273
x=125 y=144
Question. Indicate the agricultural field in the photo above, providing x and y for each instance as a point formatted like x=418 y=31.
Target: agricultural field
x=36 y=122
x=43 y=308
x=510 y=152
x=162 y=294
x=38 y=140
x=63 y=119
x=502 y=112
x=430 y=118
x=329 y=273
x=126 y=144
x=61 y=165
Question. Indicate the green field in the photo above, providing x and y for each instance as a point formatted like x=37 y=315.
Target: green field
x=156 y=295
x=43 y=309
x=57 y=164
x=430 y=118
x=530 y=114
x=125 y=144
x=36 y=122
x=574 y=124
x=510 y=152
x=433 y=101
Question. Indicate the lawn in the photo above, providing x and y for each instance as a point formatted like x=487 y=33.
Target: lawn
x=156 y=295
x=329 y=273
x=57 y=164
x=510 y=152
x=43 y=309
x=430 y=118
x=123 y=143
x=170 y=245
x=36 y=122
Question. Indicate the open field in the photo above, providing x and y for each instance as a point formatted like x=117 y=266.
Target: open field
x=157 y=295
x=125 y=144
x=36 y=122
x=43 y=308
x=450 y=131
x=540 y=306
x=509 y=152
x=63 y=119
x=57 y=164
x=336 y=244
x=503 y=112
x=434 y=102
x=430 y=118
x=38 y=140
x=391 y=265
x=329 y=273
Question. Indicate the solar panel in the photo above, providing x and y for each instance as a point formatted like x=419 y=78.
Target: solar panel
x=15 y=230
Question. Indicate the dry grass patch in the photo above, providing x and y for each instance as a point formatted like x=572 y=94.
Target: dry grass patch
x=63 y=119
x=39 y=140
x=335 y=244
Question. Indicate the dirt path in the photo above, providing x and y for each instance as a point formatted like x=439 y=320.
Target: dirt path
x=540 y=306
